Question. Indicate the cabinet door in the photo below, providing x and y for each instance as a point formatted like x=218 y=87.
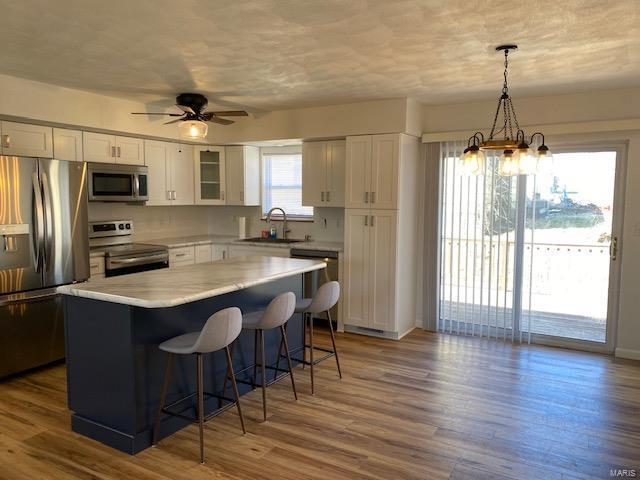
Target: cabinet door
x=67 y=144
x=358 y=172
x=251 y=193
x=98 y=147
x=157 y=157
x=384 y=171
x=335 y=166
x=204 y=253
x=234 y=166
x=209 y=170
x=129 y=151
x=382 y=261
x=181 y=173
x=23 y=139
x=219 y=252
x=314 y=176
x=356 y=266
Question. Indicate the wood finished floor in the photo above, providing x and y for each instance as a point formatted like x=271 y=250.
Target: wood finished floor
x=428 y=407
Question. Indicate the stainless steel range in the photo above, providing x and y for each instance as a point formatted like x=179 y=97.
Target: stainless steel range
x=122 y=255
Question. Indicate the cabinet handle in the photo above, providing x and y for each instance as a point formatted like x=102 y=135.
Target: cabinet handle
x=113 y=151
x=366 y=197
x=373 y=197
x=322 y=196
x=221 y=195
x=173 y=194
x=118 y=152
x=168 y=194
x=366 y=220
x=372 y=217
x=224 y=254
x=180 y=254
x=327 y=196
x=6 y=141
x=94 y=265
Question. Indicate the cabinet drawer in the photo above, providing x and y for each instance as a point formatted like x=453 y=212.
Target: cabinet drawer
x=181 y=255
x=96 y=266
x=204 y=253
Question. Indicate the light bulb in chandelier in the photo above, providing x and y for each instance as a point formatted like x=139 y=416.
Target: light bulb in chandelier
x=527 y=160
x=472 y=160
x=509 y=164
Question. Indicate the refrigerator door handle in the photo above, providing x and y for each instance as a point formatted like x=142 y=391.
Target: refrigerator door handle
x=39 y=221
x=48 y=250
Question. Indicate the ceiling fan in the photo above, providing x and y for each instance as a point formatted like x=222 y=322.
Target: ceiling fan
x=194 y=116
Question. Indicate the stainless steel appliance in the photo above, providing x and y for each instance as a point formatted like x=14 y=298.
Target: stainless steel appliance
x=122 y=256
x=43 y=244
x=118 y=183
x=311 y=282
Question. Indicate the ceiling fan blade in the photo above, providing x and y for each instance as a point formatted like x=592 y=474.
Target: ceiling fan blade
x=231 y=113
x=173 y=121
x=221 y=121
x=186 y=109
x=157 y=113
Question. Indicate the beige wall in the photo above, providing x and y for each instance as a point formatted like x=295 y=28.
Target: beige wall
x=606 y=107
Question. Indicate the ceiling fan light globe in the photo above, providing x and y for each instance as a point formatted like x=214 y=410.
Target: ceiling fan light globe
x=193 y=129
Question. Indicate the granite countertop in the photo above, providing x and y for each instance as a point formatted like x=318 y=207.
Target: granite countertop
x=170 y=287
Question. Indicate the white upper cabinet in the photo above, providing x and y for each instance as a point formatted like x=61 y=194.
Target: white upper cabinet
x=323 y=173
x=181 y=173
x=242 y=165
x=209 y=172
x=67 y=144
x=99 y=147
x=156 y=155
x=26 y=140
x=170 y=173
x=372 y=171
x=129 y=151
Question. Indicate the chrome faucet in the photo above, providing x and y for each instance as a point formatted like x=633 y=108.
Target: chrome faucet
x=284 y=221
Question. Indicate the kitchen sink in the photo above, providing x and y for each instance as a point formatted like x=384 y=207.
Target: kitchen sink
x=272 y=240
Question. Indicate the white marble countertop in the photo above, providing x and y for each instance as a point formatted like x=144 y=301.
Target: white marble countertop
x=170 y=287
x=187 y=241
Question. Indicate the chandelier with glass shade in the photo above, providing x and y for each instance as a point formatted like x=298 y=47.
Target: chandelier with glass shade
x=516 y=157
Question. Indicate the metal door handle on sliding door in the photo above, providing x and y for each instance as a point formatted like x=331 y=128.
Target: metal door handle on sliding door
x=48 y=212
x=38 y=234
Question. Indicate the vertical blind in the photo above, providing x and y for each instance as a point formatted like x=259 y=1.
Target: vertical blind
x=477 y=249
x=282 y=184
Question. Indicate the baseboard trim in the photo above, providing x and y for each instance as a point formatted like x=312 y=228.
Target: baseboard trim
x=628 y=353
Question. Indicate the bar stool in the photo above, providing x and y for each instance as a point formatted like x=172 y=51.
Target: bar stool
x=324 y=299
x=221 y=329
x=277 y=314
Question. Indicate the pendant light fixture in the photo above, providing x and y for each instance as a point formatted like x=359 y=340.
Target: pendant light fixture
x=516 y=158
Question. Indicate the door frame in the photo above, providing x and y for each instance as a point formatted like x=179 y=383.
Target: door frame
x=621 y=148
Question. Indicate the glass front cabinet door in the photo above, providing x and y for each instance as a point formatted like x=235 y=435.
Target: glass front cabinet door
x=209 y=175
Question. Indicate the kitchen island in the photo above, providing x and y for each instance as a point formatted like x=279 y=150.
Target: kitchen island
x=113 y=327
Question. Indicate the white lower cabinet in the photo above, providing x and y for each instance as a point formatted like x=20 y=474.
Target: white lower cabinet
x=96 y=268
x=204 y=253
x=219 y=252
x=180 y=256
x=249 y=250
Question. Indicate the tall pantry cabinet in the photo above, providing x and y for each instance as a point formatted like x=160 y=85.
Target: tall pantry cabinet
x=381 y=219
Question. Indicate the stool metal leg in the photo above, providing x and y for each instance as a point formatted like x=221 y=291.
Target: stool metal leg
x=264 y=376
x=311 y=351
x=304 y=340
x=275 y=372
x=226 y=377
x=200 y=387
x=232 y=375
x=286 y=347
x=163 y=394
x=333 y=341
x=255 y=359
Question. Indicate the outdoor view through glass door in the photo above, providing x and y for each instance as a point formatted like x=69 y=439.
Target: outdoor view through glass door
x=528 y=256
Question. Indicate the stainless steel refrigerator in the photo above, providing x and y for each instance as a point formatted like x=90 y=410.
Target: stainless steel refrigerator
x=43 y=243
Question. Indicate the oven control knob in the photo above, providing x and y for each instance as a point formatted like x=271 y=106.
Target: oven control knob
x=128 y=226
x=121 y=226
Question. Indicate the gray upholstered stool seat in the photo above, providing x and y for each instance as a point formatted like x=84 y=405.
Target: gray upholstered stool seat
x=276 y=315
x=324 y=299
x=220 y=330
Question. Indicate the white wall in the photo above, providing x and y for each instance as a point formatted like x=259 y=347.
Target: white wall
x=607 y=107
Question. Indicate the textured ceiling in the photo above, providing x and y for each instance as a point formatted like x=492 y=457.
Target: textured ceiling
x=267 y=55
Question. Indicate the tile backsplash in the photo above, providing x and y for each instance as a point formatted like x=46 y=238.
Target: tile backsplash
x=159 y=222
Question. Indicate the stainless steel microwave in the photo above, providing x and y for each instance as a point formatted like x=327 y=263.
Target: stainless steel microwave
x=117 y=183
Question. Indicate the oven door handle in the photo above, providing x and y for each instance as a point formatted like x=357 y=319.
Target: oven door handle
x=143 y=259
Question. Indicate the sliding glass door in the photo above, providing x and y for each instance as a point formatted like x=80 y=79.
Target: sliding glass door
x=532 y=257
